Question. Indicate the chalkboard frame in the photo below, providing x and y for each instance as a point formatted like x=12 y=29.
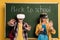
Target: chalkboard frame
x=37 y=3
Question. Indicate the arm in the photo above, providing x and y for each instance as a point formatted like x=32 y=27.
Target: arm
x=52 y=30
x=37 y=30
x=28 y=27
x=11 y=22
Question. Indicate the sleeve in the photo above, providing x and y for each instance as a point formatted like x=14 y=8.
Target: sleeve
x=37 y=30
x=9 y=24
x=26 y=27
x=53 y=31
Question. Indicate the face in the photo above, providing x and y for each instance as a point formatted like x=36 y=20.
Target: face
x=20 y=20
x=44 y=19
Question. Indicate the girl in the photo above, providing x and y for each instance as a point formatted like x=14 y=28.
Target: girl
x=44 y=28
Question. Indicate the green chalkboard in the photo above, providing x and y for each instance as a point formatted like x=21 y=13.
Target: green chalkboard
x=32 y=12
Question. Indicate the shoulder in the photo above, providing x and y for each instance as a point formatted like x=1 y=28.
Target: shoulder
x=38 y=25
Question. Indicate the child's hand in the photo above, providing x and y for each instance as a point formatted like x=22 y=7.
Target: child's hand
x=11 y=22
x=51 y=24
x=42 y=29
x=51 y=28
x=28 y=28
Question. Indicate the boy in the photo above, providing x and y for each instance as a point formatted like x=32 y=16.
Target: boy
x=20 y=28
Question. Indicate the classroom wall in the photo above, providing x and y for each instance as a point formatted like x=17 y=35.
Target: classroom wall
x=2 y=13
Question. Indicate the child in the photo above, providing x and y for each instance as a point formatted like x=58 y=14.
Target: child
x=20 y=29
x=44 y=28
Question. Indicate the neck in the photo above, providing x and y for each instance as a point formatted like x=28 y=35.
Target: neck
x=43 y=22
x=20 y=22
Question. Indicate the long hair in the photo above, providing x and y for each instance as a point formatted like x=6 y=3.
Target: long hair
x=41 y=17
x=16 y=19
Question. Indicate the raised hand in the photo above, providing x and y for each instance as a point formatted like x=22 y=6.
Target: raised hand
x=51 y=24
x=42 y=29
x=11 y=22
